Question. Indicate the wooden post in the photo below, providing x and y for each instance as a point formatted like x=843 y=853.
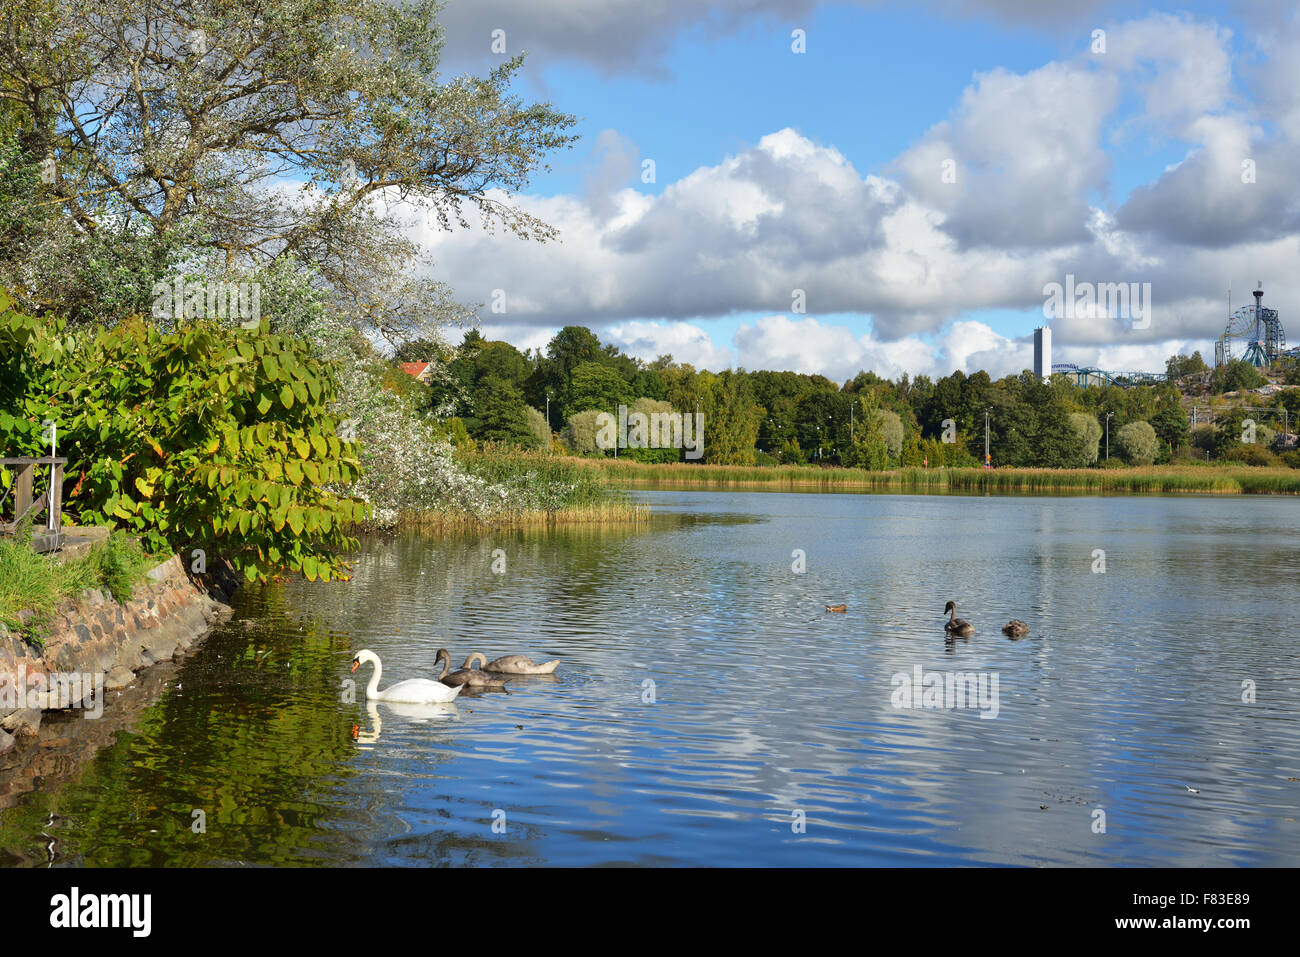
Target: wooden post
x=22 y=490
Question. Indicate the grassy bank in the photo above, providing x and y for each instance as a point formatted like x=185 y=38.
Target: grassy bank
x=544 y=490
x=39 y=583
x=1159 y=479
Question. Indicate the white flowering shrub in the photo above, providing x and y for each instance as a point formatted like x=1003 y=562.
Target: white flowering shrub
x=407 y=457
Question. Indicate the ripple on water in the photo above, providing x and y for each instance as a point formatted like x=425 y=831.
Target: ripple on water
x=708 y=710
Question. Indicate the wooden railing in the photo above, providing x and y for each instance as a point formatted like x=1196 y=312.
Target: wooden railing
x=51 y=501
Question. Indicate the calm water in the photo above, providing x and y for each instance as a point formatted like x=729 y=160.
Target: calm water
x=765 y=710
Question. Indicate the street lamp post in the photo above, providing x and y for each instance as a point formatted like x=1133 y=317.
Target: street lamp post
x=986 y=436
x=1108 y=415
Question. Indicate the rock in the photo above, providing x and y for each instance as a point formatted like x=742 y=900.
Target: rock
x=23 y=723
x=119 y=678
x=7 y=742
x=159 y=643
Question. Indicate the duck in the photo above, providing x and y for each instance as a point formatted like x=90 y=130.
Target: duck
x=957 y=626
x=838 y=609
x=515 y=665
x=466 y=676
x=413 y=690
x=1015 y=628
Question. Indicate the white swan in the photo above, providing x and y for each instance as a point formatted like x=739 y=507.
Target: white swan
x=414 y=690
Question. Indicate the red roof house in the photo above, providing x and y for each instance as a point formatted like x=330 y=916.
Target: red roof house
x=418 y=369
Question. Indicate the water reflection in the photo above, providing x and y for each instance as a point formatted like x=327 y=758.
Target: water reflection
x=705 y=700
x=416 y=713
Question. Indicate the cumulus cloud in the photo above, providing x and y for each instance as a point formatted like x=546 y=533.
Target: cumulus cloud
x=1014 y=167
x=809 y=346
x=812 y=347
x=917 y=257
x=683 y=341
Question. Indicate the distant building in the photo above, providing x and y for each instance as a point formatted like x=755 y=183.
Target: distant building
x=1043 y=352
x=418 y=369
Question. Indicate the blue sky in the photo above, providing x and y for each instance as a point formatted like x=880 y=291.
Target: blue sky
x=880 y=88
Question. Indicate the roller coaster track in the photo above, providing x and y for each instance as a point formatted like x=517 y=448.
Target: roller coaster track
x=1088 y=376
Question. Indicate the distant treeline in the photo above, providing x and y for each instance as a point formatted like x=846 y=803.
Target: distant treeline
x=499 y=394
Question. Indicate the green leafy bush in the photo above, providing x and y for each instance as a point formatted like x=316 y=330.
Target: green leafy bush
x=203 y=437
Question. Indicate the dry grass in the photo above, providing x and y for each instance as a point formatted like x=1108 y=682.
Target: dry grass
x=614 y=512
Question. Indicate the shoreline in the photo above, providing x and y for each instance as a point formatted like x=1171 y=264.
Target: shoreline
x=1141 y=480
x=97 y=646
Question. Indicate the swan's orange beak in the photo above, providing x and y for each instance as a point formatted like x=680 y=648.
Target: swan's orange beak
x=356 y=665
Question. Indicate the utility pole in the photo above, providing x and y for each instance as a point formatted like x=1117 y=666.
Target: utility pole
x=986 y=438
x=1108 y=415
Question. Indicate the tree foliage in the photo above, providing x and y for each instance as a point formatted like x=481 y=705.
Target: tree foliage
x=198 y=438
x=176 y=111
x=1137 y=443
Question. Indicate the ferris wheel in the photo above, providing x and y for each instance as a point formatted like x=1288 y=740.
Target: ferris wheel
x=1253 y=333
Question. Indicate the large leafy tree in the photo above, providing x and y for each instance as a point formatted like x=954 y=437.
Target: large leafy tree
x=500 y=413
x=284 y=129
x=595 y=386
x=868 y=448
x=731 y=418
x=1138 y=443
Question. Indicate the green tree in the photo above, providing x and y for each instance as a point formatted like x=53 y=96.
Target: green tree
x=499 y=411
x=1234 y=375
x=594 y=385
x=1138 y=444
x=537 y=426
x=891 y=428
x=648 y=407
x=1178 y=366
x=731 y=418
x=580 y=432
x=1171 y=423
x=347 y=99
x=1088 y=430
x=869 y=448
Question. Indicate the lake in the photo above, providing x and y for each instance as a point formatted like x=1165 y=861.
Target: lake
x=708 y=710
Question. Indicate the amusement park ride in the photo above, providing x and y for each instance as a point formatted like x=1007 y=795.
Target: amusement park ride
x=1254 y=333
x=1258 y=333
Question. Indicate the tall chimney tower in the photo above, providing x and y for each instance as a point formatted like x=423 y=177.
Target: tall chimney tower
x=1043 y=352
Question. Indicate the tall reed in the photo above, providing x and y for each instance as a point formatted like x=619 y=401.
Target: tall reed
x=1155 y=479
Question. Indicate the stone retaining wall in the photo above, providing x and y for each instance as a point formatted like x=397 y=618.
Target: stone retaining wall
x=105 y=643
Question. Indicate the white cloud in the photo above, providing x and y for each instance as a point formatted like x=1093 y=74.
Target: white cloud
x=916 y=257
x=682 y=340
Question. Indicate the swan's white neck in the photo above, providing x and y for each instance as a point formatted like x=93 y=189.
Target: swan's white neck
x=372 y=689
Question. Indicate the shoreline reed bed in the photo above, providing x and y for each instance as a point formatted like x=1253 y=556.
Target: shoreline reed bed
x=1212 y=479
x=614 y=512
